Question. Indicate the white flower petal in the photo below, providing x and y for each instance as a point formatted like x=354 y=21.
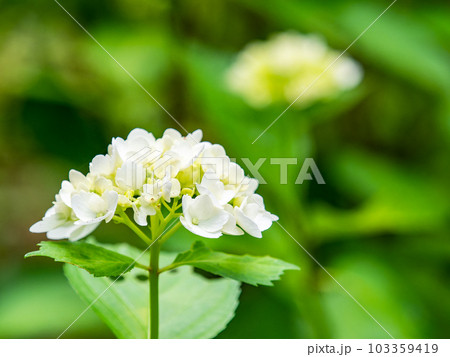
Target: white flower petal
x=81 y=205
x=263 y=221
x=198 y=231
x=131 y=176
x=202 y=217
x=230 y=226
x=63 y=231
x=66 y=192
x=201 y=207
x=141 y=133
x=186 y=202
x=195 y=137
x=246 y=223
x=82 y=231
x=78 y=180
x=112 y=199
x=102 y=165
x=47 y=223
x=215 y=222
x=141 y=213
x=91 y=208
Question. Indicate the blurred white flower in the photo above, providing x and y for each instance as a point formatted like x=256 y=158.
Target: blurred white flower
x=281 y=68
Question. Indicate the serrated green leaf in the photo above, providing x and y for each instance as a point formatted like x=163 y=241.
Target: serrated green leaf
x=93 y=258
x=191 y=306
x=245 y=268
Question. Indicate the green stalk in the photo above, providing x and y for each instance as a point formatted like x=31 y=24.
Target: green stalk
x=170 y=232
x=128 y=222
x=157 y=225
x=154 y=289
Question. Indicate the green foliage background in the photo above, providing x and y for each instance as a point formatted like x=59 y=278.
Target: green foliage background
x=380 y=225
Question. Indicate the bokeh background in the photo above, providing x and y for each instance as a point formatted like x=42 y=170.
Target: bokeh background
x=380 y=225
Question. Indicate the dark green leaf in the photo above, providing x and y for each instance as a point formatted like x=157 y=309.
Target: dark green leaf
x=96 y=260
x=245 y=268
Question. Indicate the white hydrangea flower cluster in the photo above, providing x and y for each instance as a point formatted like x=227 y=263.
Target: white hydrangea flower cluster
x=145 y=175
x=280 y=69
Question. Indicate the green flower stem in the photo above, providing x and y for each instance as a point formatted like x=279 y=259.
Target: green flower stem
x=128 y=222
x=160 y=215
x=142 y=266
x=154 y=277
x=157 y=233
x=157 y=225
x=170 y=232
x=154 y=290
x=167 y=268
x=170 y=209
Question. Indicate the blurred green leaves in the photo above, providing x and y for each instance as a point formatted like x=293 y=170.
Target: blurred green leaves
x=390 y=198
x=41 y=304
